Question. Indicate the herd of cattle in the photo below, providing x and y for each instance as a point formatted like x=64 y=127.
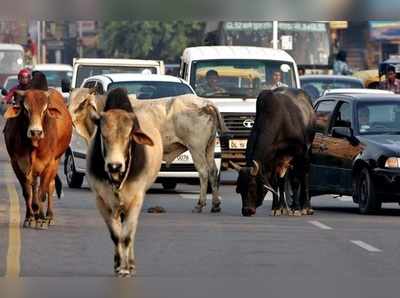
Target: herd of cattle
x=128 y=139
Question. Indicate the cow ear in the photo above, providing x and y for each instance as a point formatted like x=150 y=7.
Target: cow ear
x=141 y=138
x=54 y=112
x=12 y=112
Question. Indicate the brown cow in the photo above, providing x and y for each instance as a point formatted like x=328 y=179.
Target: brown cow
x=37 y=133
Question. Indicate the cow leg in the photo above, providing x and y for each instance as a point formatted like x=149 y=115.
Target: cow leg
x=306 y=199
x=200 y=163
x=282 y=204
x=275 y=199
x=46 y=189
x=213 y=177
x=27 y=192
x=114 y=227
x=129 y=227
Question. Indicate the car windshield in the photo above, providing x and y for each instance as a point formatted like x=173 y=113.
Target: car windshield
x=152 y=89
x=240 y=78
x=378 y=118
x=11 y=82
x=54 y=77
x=316 y=87
x=11 y=61
x=85 y=71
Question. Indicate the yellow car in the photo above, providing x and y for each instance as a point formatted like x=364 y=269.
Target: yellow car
x=370 y=78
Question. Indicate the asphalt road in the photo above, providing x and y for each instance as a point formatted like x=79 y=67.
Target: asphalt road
x=336 y=252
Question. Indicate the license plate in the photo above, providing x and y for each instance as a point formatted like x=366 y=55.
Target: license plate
x=237 y=144
x=183 y=157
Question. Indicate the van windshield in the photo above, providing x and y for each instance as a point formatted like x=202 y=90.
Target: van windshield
x=240 y=78
x=11 y=61
x=85 y=71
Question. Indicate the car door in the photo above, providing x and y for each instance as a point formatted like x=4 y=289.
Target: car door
x=320 y=176
x=336 y=153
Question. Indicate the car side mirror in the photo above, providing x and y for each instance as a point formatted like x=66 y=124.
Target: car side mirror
x=65 y=85
x=4 y=92
x=345 y=133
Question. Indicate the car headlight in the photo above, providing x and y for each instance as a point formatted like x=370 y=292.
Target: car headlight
x=392 y=162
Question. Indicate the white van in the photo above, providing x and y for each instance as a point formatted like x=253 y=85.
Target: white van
x=88 y=67
x=232 y=77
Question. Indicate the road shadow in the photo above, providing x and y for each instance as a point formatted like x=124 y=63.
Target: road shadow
x=354 y=210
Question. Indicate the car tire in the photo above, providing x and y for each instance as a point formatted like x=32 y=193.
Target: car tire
x=74 y=178
x=365 y=192
x=169 y=185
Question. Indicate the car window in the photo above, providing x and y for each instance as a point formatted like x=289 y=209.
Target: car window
x=99 y=88
x=378 y=117
x=89 y=84
x=152 y=89
x=323 y=112
x=343 y=117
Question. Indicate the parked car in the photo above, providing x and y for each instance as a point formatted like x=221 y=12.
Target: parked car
x=316 y=85
x=356 y=150
x=151 y=86
x=356 y=91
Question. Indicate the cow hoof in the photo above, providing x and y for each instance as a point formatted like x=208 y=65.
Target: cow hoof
x=50 y=222
x=297 y=213
x=309 y=211
x=284 y=211
x=124 y=273
x=41 y=224
x=215 y=209
x=197 y=209
x=276 y=213
x=28 y=223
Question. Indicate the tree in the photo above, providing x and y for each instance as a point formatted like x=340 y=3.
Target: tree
x=150 y=39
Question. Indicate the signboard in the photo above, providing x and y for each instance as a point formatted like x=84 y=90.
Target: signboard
x=385 y=30
x=338 y=24
x=287 y=42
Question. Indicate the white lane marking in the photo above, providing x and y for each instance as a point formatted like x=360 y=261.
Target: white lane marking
x=14 y=235
x=192 y=196
x=320 y=225
x=365 y=246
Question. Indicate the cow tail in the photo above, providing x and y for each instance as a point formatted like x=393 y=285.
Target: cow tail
x=59 y=186
x=220 y=121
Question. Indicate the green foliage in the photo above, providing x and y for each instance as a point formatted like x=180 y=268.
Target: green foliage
x=150 y=39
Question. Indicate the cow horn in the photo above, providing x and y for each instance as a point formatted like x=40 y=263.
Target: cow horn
x=255 y=169
x=235 y=166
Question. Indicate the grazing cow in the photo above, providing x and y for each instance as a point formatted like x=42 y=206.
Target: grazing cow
x=123 y=160
x=185 y=122
x=278 y=151
x=37 y=133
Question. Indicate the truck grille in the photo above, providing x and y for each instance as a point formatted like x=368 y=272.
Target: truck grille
x=236 y=122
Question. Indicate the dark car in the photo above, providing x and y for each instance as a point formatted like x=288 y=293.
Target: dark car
x=356 y=150
x=316 y=85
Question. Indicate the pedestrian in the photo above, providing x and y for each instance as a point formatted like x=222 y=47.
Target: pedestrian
x=301 y=70
x=391 y=83
x=24 y=83
x=340 y=66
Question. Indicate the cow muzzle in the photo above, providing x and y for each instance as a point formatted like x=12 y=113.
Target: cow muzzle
x=248 y=211
x=116 y=171
x=35 y=133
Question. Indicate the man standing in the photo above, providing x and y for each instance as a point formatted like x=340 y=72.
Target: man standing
x=391 y=83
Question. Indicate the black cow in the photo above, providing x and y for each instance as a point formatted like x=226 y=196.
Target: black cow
x=278 y=153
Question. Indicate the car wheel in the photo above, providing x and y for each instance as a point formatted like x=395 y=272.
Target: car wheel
x=74 y=179
x=169 y=185
x=365 y=192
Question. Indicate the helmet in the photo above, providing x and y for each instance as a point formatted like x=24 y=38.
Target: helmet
x=24 y=73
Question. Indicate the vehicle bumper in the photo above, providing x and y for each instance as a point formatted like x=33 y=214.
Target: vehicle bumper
x=387 y=184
